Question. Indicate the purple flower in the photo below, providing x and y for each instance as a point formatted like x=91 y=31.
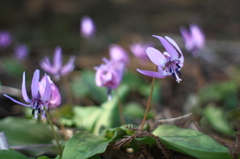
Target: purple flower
x=169 y=62
x=56 y=68
x=38 y=101
x=5 y=39
x=21 y=51
x=194 y=39
x=55 y=99
x=118 y=54
x=109 y=75
x=138 y=49
x=88 y=28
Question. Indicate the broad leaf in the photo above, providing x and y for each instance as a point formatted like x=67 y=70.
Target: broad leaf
x=12 y=154
x=191 y=142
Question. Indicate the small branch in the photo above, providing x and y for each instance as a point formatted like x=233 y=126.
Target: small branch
x=31 y=146
x=174 y=119
x=10 y=91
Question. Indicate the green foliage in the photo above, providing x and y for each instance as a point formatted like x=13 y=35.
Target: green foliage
x=12 y=154
x=20 y=131
x=191 y=142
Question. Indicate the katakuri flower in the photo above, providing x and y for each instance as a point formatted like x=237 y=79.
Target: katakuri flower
x=194 y=39
x=55 y=99
x=109 y=75
x=169 y=62
x=38 y=101
x=21 y=52
x=138 y=49
x=5 y=39
x=118 y=54
x=56 y=69
x=87 y=27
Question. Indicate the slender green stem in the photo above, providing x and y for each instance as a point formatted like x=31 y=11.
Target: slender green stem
x=68 y=90
x=61 y=125
x=148 y=105
x=120 y=110
x=53 y=131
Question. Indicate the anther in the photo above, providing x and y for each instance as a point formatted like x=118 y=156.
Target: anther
x=33 y=111
x=178 y=65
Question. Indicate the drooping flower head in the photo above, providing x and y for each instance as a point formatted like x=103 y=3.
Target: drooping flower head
x=109 y=75
x=194 y=39
x=87 y=27
x=21 y=52
x=118 y=54
x=169 y=62
x=38 y=101
x=55 y=99
x=138 y=49
x=5 y=39
x=57 y=69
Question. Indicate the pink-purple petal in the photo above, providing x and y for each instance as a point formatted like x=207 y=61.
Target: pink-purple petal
x=152 y=73
x=69 y=66
x=20 y=103
x=156 y=56
x=57 y=58
x=34 y=85
x=47 y=90
x=24 y=92
x=46 y=66
x=169 y=48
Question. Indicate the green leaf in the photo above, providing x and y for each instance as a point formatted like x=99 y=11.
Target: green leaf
x=84 y=145
x=20 y=132
x=191 y=142
x=11 y=154
x=109 y=117
x=215 y=116
x=85 y=85
x=86 y=117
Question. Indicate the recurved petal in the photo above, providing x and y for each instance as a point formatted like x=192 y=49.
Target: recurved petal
x=197 y=35
x=152 y=73
x=14 y=100
x=47 y=90
x=69 y=66
x=24 y=92
x=57 y=59
x=35 y=81
x=156 y=56
x=47 y=66
x=168 y=46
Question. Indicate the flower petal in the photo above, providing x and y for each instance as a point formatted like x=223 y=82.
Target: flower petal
x=47 y=66
x=69 y=66
x=34 y=86
x=24 y=92
x=169 y=48
x=47 y=90
x=197 y=35
x=156 y=56
x=57 y=58
x=14 y=100
x=153 y=73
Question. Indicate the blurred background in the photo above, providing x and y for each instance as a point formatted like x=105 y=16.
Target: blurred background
x=44 y=24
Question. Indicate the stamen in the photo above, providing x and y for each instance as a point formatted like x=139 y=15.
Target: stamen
x=39 y=110
x=170 y=69
x=178 y=65
x=178 y=72
x=173 y=75
x=33 y=111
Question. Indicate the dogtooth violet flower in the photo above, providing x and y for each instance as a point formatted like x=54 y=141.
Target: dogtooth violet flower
x=21 y=52
x=55 y=99
x=56 y=68
x=5 y=39
x=109 y=75
x=38 y=101
x=118 y=54
x=138 y=49
x=194 y=39
x=87 y=27
x=168 y=63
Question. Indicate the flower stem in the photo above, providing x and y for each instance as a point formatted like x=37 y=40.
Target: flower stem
x=53 y=131
x=120 y=110
x=148 y=105
x=61 y=125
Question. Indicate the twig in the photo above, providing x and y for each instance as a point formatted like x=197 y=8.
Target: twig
x=174 y=119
